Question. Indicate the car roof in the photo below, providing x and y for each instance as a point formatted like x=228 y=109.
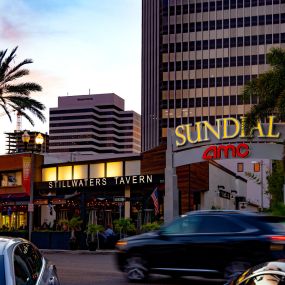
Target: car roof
x=6 y=242
x=225 y=212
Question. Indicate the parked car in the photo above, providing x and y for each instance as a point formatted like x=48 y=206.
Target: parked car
x=21 y=263
x=213 y=244
x=269 y=273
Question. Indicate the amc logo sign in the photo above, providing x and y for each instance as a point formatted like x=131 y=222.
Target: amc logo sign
x=215 y=152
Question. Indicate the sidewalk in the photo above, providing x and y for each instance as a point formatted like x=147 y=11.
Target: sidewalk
x=79 y=251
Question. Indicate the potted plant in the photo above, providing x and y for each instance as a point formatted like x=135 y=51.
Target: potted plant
x=74 y=225
x=93 y=240
x=150 y=227
x=125 y=227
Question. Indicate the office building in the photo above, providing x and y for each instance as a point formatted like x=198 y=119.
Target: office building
x=197 y=55
x=93 y=124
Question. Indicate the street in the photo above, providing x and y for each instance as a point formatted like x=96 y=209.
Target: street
x=99 y=269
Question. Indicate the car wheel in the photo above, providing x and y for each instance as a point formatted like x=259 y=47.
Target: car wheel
x=136 y=269
x=235 y=268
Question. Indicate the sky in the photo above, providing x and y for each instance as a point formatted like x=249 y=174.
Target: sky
x=77 y=47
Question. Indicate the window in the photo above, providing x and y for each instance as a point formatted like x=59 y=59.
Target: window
x=8 y=179
x=185 y=225
x=240 y=167
x=27 y=264
x=216 y=224
x=256 y=166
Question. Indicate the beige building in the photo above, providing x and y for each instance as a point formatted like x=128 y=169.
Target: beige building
x=197 y=55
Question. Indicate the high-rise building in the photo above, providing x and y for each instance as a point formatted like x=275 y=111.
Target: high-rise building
x=94 y=124
x=198 y=54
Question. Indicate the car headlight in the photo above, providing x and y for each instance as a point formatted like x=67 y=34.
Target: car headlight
x=121 y=244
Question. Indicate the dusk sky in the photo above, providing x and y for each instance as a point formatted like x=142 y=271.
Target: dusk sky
x=76 y=45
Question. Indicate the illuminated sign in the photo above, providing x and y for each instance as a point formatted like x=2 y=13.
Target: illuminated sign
x=215 y=152
x=104 y=181
x=201 y=130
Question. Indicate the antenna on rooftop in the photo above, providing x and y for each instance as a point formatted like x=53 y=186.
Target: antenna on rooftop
x=89 y=91
x=19 y=122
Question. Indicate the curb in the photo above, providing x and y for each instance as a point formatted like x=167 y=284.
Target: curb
x=62 y=251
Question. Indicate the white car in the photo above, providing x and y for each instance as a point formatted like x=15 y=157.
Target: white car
x=21 y=263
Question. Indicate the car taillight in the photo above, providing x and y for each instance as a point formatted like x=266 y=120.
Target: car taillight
x=277 y=238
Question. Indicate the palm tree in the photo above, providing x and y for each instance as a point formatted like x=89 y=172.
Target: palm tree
x=269 y=88
x=15 y=96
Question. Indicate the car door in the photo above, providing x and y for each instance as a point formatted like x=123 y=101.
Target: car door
x=217 y=239
x=27 y=264
x=170 y=250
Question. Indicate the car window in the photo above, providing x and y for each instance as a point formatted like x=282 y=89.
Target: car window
x=184 y=225
x=27 y=264
x=218 y=224
x=277 y=224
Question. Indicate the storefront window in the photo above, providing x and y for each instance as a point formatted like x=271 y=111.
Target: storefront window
x=80 y=172
x=65 y=173
x=114 y=169
x=97 y=170
x=11 y=179
x=49 y=174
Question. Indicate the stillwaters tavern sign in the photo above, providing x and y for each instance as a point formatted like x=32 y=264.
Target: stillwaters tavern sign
x=225 y=130
x=90 y=183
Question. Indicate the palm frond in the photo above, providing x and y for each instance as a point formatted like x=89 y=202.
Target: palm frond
x=2 y=55
x=23 y=88
x=16 y=67
x=16 y=75
x=6 y=111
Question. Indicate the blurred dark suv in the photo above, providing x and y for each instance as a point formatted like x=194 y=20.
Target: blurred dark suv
x=213 y=244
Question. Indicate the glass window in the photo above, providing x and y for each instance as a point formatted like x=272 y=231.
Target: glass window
x=240 y=167
x=205 y=7
x=27 y=264
x=217 y=224
x=65 y=172
x=256 y=167
x=97 y=170
x=80 y=171
x=184 y=225
x=114 y=169
x=10 y=179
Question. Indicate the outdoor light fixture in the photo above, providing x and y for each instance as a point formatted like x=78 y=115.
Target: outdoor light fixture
x=26 y=139
x=261 y=182
x=39 y=140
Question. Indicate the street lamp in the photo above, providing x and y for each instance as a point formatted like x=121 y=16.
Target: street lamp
x=38 y=141
x=261 y=183
x=26 y=139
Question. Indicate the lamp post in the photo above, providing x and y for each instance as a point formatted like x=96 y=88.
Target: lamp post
x=26 y=139
x=39 y=141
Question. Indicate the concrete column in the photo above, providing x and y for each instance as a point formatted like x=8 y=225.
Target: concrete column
x=127 y=203
x=171 y=199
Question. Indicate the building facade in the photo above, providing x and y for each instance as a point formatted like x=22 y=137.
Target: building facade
x=93 y=124
x=197 y=55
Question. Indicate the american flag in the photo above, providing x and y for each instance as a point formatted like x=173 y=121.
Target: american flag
x=154 y=196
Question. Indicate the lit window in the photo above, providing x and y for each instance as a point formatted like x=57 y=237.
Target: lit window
x=49 y=174
x=97 y=170
x=80 y=172
x=65 y=173
x=256 y=167
x=240 y=167
x=114 y=169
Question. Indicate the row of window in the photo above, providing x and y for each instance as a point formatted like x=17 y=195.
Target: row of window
x=206 y=101
x=80 y=143
x=224 y=43
x=89 y=149
x=216 y=6
x=225 y=24
x=214 y=63
x=173 y=122
x=91 y=117
x=90 y=130
x=256 y=167
x=206 y=82
x=114 y=126
x=101 y=112
x=90 y=136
